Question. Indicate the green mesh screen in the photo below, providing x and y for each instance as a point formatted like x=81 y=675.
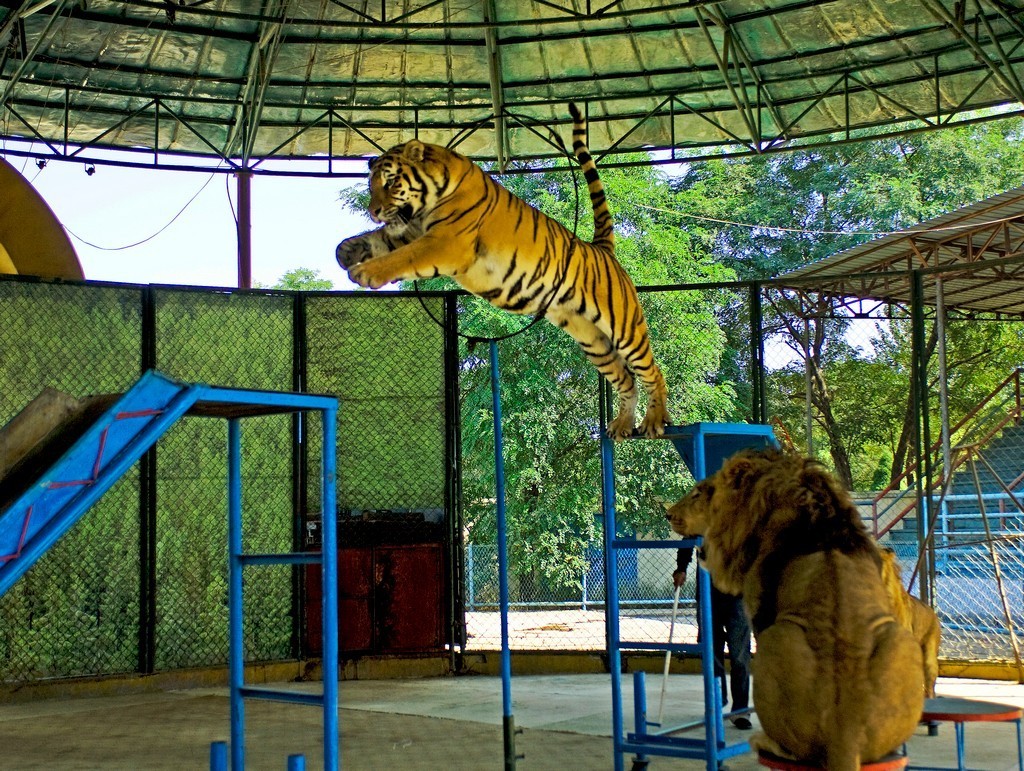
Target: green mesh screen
x=76 y=611
x=242 y=341
x=383 y=356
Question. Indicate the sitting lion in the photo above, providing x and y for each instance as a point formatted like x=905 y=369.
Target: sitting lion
x=837 y=681
x=914 y=616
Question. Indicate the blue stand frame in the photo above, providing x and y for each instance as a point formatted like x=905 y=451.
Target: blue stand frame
x=115 y=441
x=508 y=719
x=328 y=559
x=703 y=447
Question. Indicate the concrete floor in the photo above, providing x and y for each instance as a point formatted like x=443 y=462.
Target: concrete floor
x=430 y=723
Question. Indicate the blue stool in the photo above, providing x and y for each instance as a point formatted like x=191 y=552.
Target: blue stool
x=959 y=711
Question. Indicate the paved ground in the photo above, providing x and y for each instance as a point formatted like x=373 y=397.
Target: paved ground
x=572 y=629
x=435 y=723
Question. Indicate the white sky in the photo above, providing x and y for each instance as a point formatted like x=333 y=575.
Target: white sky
x=296 y=223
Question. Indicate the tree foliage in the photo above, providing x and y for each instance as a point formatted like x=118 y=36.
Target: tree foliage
x=808 y=205
x=307 y=279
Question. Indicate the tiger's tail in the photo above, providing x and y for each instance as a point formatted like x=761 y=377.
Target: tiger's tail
x=604 y=236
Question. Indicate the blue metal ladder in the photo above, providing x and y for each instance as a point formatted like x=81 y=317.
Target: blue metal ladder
x=116 y=440
x=703 y=447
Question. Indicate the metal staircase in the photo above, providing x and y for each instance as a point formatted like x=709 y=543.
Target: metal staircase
x=986 y=468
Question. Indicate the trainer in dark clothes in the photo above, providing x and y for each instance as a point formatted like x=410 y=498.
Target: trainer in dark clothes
x=729 y=628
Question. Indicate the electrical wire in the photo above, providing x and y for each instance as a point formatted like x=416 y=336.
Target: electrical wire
x=783 y=229
x=231 y=203
x=148 y=238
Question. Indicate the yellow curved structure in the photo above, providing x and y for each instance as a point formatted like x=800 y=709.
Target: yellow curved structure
x=32 y=241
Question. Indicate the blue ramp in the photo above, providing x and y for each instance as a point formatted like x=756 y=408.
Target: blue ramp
x=62 y=493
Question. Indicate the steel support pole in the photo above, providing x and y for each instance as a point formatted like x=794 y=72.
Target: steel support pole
x=759 y=403
x=236 y=648
x=611 y=579
x=808 y=386
x=922 y=438
x=147 y=507
x=329 y=582
x=244 y=228
x=508 y=720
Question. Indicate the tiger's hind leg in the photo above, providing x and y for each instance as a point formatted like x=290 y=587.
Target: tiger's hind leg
x=603 y=354
x=635 y=350
x=656 y=417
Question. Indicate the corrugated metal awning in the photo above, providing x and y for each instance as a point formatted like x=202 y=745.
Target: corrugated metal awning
x=977 y=250
x=328 y=79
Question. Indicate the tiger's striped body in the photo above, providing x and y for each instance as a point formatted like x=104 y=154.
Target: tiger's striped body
x=443 y=216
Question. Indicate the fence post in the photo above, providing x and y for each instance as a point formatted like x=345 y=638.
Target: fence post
x=508 y=719
x=147 y=505
x=585 y=571
x=470 y=570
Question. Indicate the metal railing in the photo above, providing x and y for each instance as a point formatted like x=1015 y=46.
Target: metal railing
x=1001 y=407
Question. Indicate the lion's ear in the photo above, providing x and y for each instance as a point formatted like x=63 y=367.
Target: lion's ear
x=737 y=470
x=413 y=151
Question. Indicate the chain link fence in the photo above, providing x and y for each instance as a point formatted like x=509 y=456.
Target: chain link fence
x=139 y=584
x=240 y=341
x=77 y=611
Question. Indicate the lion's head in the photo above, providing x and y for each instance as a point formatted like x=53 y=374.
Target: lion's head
x=765 y=501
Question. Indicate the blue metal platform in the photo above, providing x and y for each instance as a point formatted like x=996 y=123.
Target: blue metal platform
x=704 y=447
x=53 y=500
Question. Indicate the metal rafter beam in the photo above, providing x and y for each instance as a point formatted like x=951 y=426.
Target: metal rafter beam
x=1009 y=14
x=1000 y=51
x=743 y=56
x=738 y=92
x=501 y=149
x=398 y=23
x=1007 y=79
x=262 y=56
x=28 y=8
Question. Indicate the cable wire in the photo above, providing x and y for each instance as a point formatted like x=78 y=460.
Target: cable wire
x=148 y=238
x=753 y=226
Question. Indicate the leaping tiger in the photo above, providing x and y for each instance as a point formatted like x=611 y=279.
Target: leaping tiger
x=443 y=215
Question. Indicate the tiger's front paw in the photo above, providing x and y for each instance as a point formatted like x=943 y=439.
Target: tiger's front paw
x=622 y=427
x=369 y=274
x=352 y=251
x=654 y=422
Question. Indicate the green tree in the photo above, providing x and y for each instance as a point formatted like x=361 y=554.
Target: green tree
x=816 y=202
x=303 y=279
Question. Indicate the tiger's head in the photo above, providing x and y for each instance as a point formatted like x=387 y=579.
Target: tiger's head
x=400 y=187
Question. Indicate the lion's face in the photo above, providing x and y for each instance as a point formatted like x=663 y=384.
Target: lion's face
x=725 y=510
x=690 y=515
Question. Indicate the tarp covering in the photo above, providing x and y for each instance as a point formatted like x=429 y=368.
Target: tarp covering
x=332 y=79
